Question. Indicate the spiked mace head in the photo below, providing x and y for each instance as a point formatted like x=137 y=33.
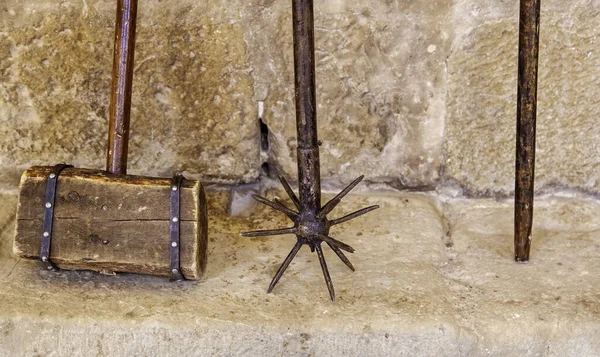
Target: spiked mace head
x=311 y=228
x=311 y=225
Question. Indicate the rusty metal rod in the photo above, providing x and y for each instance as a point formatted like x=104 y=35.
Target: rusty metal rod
x=120 y=99
x=529 y=27
x=311 y=225
x=309 y=177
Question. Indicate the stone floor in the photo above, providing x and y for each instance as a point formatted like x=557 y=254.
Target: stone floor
x=433 y=278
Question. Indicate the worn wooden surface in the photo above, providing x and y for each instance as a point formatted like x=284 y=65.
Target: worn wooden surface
x=113 y=223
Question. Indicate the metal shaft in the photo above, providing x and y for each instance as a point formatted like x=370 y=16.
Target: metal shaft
x=529 y=26
x=309 y=179
x=311 y=225
x=122 y=77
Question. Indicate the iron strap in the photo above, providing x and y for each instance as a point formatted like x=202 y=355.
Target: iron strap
x=51 y=184
x=174 y=227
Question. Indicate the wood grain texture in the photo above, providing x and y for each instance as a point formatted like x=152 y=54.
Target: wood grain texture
x=120 y=96
x=116 y=223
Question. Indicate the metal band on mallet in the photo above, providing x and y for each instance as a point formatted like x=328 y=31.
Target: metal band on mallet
x=51 y=184
x=175 y=264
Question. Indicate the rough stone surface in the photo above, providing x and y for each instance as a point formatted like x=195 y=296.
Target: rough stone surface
x=380 y=90
x=192 y=104
x=416 y=94
x=482 y=80
x=202 y=70
x=411 y=295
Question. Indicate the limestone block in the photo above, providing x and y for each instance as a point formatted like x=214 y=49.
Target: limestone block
x=192 y=104
x=410 y=295
x=382 y=308
x=550 y=304
x=410 y=93
x=482 y=70
x=380 y=89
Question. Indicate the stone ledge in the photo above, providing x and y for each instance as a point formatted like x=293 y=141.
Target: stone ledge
x=411 y=294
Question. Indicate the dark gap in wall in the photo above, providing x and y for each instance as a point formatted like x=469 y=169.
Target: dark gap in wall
x=264 y=135
x=266 y=169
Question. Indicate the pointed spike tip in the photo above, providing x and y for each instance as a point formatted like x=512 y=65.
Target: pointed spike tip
x=353 y=215
x=332 y=241
x=284 y=266
x=342 y=256
x=325 y=270
x=289 y=191
x=329 y=206
x=269 y=232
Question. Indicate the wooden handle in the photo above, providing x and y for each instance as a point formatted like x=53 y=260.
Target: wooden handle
x=122 y=78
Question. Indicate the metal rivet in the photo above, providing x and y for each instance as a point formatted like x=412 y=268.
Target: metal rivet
x=52 y=176
x=104 y=207
x=105 y=241
x=175 y=271
x=44 y=259
x=48 y=205
x=173 y=244
x=174 y=188
x=175 y=219
x=49 y=267
x=46 y=234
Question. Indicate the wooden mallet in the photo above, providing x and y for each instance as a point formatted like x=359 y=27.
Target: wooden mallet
x=108 y=221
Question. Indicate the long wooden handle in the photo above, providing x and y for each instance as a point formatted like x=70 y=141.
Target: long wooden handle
x=122 y=77
x=529 y=37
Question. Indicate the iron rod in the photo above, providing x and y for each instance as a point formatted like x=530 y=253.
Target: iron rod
x=309 y=178
x=529 y=27
x=120 y=99
x=311 y=225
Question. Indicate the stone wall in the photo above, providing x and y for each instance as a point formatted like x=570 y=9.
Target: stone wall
x=479 y=142
x=415 y=94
